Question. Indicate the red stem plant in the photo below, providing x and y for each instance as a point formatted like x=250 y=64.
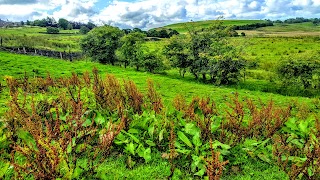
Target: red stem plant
x=47 y=140
x=214 y=166
x=260 y=123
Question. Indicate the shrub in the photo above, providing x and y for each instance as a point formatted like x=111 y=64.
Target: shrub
x=52 y=30
x=84 y=30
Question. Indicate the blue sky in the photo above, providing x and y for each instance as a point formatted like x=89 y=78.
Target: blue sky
x=153 y=13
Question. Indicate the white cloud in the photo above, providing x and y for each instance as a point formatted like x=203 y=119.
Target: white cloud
x=152 y=13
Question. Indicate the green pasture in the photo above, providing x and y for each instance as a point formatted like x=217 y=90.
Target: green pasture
x=183 y=27
x=169 y=85
x=269 y=51
x=36 y=37
x=283 y=27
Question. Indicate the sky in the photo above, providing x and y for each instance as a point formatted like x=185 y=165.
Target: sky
x=148 y=14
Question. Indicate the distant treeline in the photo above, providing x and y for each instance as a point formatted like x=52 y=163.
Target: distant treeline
x=253 y=26
x=163 y=33
x=315 y=21
x=61 y=23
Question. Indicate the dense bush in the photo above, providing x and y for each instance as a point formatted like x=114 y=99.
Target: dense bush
x=206 y=52
x=52 y=30
x=101 y=44
x=301 y=74
x=253 y=26
x=84 y=30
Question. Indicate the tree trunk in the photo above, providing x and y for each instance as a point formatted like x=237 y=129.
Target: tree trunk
x=195 y=75
x=204 y=77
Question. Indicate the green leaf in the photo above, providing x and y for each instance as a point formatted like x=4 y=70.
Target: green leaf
x=77 y=173
x=150 y=143
x=200 y=172
x=264 y=158
x=99 y=119
x=131 y=148
x=216 y=144
x=196 y=162
x=27 y=137
x=191 y=129
x=69 y=148
x=147 y=155
x=133 y=131
x=161 y=135
x=184 y=139
x=135 y=139
x=151 y=131
x=3 y=168
x=183 y=151
x=303 y=127
x=87 y=123
x=291 y=123
x=310 y=171
x=83 y=163
x=196 y=140
x=297 y=143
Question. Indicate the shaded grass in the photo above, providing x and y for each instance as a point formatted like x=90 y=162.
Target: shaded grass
x=115 y=168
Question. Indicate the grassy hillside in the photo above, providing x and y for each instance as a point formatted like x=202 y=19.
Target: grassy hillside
x=182 y=27
x=169 y=85
x=250 y=157
x=36 y=37
x=307 y=29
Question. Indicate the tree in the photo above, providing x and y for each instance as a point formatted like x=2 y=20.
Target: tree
x=63 y=23
x=101 y=43
x=299 y=73
x=211 y=53
x=152 y=33
x=152 y=62
x=90 y=25
x=52 y=30
x=226 y=71
x=41 y=23
x=131 y=49
x=69 y=27
x=163 y=33
x=84 y=30
x=177 y=53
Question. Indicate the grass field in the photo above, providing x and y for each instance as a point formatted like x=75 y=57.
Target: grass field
x=266 y=51
x=169 y=86
x=36 y=37
x=182 y=27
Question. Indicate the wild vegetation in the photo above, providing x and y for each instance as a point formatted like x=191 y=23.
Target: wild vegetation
x=200 y=110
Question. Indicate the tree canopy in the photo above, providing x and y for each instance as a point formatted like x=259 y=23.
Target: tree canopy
x=101 y=43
